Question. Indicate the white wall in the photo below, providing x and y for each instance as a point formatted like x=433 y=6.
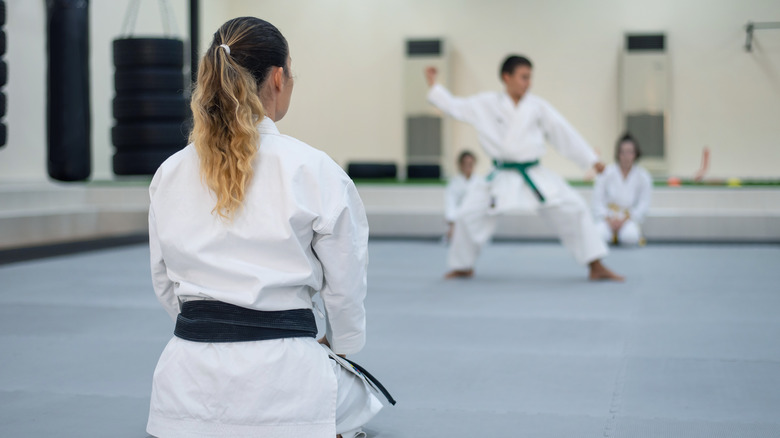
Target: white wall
x=347 y=58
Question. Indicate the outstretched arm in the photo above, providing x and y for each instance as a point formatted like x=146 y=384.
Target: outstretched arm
x=459 y=108
x=567 y=140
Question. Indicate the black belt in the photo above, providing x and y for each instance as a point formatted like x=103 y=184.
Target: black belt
x=215 y=321
x=373 y=380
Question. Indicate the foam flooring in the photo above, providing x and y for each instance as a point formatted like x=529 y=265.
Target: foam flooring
x=688 y=346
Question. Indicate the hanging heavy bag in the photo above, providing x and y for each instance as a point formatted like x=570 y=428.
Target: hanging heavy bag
x=152 y=79
x=138 y=162
x=148 y=52
x=129 y=137
x=149 y=106
x=67 y=106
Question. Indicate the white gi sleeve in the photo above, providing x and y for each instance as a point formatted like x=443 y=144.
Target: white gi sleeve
x=459 y=108
x=163 y=286
x=341 y=245
x=599 y=197
x=642 y=200
x=564 y=138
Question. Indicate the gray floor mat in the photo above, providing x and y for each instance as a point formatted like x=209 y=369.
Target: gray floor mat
x=689 y=346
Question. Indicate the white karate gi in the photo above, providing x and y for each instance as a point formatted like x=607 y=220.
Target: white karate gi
x=454 y=194
x=302 y=229
x=618 y=197
x=518 y=133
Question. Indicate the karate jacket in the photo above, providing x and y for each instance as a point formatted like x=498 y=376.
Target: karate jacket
x=517 y=133
x=302 y=229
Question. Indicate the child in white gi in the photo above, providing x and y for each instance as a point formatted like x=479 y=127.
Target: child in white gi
x=621 y=195
x=456 y=189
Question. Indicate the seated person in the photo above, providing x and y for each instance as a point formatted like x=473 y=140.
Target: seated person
x=621 y=195
x=456 y=189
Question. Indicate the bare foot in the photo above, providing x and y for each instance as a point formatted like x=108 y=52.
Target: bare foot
x=460 y=273
x=600 y=272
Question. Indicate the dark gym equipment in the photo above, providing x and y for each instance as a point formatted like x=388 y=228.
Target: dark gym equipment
x=3 y=76
x=148 y=52
x=68 y=107
x=372 y=170
x=150 y=109
x=129 y=136
x=148 y=79
x=423 y=171
x=194 y=32
x=138 y=162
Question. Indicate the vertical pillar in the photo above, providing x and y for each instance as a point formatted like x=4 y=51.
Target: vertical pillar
x=194 y=38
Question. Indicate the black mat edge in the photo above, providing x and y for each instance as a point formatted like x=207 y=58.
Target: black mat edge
x=23 y=254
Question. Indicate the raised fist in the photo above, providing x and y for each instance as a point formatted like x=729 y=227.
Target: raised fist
x=430 y=75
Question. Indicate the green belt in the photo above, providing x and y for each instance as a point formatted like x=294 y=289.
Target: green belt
x=522 y=168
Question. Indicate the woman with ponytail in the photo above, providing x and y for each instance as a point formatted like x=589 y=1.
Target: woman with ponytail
x=246 y=225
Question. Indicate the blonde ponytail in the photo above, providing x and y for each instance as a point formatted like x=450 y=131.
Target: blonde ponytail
x=226 y=108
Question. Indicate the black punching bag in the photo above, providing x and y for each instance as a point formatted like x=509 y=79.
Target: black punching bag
x=67 y=112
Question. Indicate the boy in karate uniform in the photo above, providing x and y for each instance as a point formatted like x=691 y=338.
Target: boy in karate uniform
x=513 y=127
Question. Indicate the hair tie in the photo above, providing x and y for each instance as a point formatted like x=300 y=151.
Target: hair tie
x=226 y=47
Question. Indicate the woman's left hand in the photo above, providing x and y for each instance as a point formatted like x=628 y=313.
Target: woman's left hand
x=324 y=341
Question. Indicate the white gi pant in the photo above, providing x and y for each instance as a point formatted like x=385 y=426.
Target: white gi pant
x=213 y=390
x=566 y=212
x=628 y=234
x=355 y=404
